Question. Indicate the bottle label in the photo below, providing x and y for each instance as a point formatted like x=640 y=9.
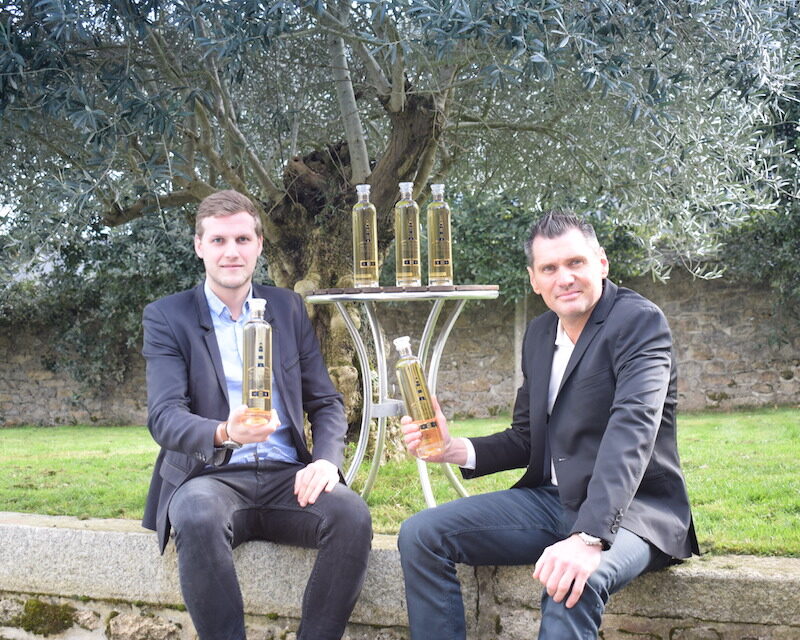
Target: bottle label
x=259 y=393
x=427 y=424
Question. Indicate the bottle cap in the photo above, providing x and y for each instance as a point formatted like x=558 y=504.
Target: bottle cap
x=362 y=189
x=406 y=187
x=402 y=343
x=437 y=189
x=257 y=304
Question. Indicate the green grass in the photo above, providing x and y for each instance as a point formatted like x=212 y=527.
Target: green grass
x=88 y=472
x=741 y=468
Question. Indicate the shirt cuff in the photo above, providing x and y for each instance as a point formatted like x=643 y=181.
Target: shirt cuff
x=470 y=463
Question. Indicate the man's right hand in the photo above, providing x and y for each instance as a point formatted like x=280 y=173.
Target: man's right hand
x=246 y=432
x=454 y=449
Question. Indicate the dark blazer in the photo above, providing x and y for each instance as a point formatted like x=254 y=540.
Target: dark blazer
x=612 y=431
x=187 y=396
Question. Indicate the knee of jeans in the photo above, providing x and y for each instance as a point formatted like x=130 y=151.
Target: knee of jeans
x=196 y=516
x=417 y=532
x=351 y=514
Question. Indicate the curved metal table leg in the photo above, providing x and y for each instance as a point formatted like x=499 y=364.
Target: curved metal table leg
x=366 y=391
x=433 y=373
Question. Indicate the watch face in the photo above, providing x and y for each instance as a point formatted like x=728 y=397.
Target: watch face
x=230 y=444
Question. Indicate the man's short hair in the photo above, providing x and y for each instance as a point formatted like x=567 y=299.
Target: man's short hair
x=225 y=203
x=556 y=223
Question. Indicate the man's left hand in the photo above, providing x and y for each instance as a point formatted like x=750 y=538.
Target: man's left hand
x=565 y=566
x=315 y=478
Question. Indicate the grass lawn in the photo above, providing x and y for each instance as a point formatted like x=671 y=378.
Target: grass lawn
x=741 y=468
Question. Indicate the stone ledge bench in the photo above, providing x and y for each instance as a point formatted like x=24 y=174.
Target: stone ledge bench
x=110 y=578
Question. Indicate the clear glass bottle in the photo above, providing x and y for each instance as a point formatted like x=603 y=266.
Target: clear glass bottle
x=365 y=240
x=440 y=252
x=417 y=399
x=408 y=271
x=257 y=365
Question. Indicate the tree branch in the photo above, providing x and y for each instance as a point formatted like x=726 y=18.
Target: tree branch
x=351 y=118
x=117 y=214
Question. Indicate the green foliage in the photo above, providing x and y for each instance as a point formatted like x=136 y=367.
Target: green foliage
x=767 y=248
x=87 y=294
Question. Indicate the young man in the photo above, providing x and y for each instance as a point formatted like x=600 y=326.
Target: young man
x=602 y=499
x=218 y=482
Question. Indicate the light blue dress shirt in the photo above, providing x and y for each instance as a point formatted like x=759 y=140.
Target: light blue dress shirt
x=230 y=337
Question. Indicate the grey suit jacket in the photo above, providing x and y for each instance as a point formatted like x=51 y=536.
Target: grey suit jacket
x=612 y=431
x=187 y=395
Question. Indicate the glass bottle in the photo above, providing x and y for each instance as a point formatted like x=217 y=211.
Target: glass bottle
x=257 y=366
x=440 y=253
x=417 y=399
x=365 y=241
x=408 y=271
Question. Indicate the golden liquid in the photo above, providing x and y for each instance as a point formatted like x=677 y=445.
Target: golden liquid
x=440 y=253
x=257 y=371
x=365 y=245
x=408 y=269
x=417 y=399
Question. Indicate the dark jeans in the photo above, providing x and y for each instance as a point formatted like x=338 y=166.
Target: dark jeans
x=509 y=527
x=215 y=512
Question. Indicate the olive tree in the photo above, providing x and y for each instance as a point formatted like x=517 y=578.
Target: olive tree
x=116 y=117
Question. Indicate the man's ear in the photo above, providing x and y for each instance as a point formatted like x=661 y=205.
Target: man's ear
x=532 y=278
x=198 y=246
x=603 y=262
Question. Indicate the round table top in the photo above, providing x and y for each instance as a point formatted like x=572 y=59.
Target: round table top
x=386 y=294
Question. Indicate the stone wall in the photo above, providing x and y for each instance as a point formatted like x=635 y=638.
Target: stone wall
x=69 y=579
x=732 y=352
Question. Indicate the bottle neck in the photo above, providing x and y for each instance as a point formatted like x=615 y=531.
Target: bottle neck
x=363 y=197
x=256 y=314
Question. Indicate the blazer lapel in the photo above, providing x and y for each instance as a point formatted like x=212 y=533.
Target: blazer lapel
x=599 y=314
x=543 y=351
x=204 y=318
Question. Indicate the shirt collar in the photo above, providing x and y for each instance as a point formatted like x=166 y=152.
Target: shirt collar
x=562 y=339
x=219 y=309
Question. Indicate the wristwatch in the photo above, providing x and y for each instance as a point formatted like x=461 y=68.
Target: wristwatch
x=229 y=443
x=592 y=541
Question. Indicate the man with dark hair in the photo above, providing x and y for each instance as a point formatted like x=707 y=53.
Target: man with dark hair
x=219 y=480
x=602 y=499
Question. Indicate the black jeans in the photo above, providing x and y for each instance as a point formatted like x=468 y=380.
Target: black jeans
x=213 y=513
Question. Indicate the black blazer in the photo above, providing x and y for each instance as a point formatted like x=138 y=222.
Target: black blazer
x=612 y=430
x=187 y=396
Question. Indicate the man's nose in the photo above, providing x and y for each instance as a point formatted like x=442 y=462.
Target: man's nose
x=565 y=277
x=231 y=250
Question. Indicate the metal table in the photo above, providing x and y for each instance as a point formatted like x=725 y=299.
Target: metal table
x=384 y=407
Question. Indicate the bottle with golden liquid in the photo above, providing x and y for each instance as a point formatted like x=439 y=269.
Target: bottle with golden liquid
x=408 y=272
x=417 y=399
x=257 y=365
x=365 y=240
x=440 y=252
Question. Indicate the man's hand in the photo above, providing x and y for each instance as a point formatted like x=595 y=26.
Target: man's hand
x=313 y=479
x=245 y=433
x=565 y=567
x=454 y=451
